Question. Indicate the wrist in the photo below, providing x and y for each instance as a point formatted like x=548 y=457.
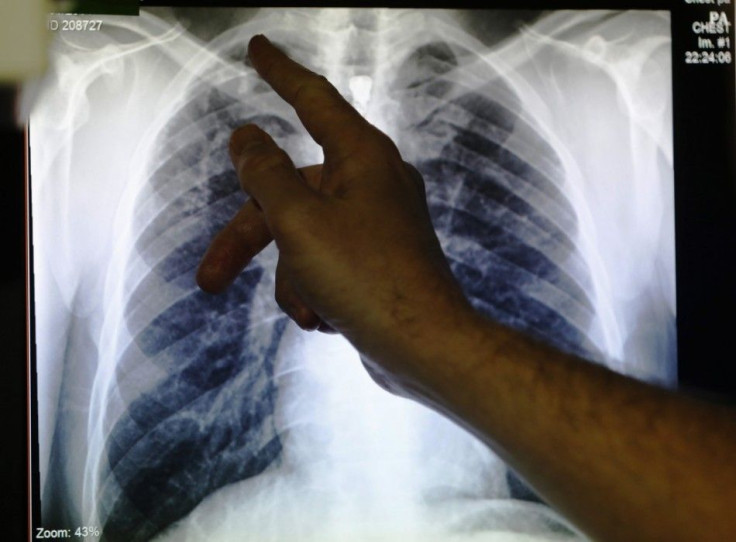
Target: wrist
x=428 y=350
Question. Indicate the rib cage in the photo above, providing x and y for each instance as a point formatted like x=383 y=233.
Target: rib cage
x=496 y=194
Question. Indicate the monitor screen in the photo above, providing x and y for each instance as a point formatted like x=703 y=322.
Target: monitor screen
x=567 y=166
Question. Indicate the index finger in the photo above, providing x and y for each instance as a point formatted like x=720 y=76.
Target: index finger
x=331 y=121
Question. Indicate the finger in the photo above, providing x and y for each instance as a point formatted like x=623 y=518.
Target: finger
x=291 y=303
x=416 y=178
x=244 y=237
x=327 y=329
x=331 y=121
x=265 y=171
x=381 y=377
x=312 y=175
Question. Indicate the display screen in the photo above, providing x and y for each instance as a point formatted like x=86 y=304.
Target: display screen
x=553 y=160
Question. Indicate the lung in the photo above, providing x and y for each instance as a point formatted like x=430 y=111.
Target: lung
x=197 y=378
x=205 y=417
x=496 y=192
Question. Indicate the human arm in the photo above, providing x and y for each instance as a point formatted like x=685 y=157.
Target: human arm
x=623 y=460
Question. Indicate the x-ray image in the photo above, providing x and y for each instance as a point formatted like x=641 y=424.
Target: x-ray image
x=164 y=413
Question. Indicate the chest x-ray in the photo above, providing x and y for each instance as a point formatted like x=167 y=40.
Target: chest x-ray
x=545 y=140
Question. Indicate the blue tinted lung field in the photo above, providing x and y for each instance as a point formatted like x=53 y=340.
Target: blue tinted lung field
x=164 y=413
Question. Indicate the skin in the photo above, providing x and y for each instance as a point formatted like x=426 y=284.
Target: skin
x=357 y=255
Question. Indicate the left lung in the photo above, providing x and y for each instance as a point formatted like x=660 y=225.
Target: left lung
x=496 y=191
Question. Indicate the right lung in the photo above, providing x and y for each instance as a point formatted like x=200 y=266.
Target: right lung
x=206 y=420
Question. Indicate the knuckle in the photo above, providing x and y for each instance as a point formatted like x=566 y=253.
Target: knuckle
x=243 y=136
x=414 y=172
x=320 y=81
x=306 y=319
x=281 y=301
x=282 y=297
x=386 y=141
x=294 y=221
x=368 y=147
x=246 y=131
x=313 y=89
x=264 y=158
x=293 y=307
x=326 y=328
x=416 y=177
x=383 y=142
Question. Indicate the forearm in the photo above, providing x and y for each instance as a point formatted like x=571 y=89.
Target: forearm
x=621 y=459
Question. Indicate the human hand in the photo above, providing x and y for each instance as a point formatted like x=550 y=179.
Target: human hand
x=357 y=251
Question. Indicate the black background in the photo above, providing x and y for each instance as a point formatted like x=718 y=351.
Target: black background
x=705 y=177
x=12 y=319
